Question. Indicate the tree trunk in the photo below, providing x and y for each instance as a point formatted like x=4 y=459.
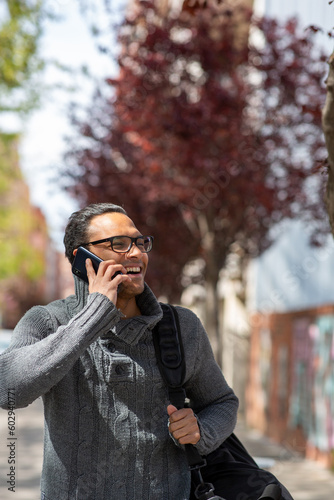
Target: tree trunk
x=328 y=128
x=212 y=321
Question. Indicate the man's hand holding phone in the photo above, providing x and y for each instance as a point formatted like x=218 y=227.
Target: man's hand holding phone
x=107 y=279
x=103 y=276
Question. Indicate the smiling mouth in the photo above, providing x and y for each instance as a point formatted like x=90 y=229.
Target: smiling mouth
x=133 y=270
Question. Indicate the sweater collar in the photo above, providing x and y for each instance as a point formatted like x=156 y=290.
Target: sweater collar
x=130 y=330
x=81 y=293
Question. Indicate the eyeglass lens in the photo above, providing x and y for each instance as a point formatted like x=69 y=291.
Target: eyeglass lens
x=124 y=243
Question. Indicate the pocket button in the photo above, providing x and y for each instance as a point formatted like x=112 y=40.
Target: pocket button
x=119 y=369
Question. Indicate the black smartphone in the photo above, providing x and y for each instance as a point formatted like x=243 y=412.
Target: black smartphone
x=79 y=263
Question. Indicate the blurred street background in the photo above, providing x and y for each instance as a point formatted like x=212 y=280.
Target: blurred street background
x=204 y=120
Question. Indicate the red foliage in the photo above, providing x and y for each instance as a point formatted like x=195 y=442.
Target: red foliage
x=207 y=140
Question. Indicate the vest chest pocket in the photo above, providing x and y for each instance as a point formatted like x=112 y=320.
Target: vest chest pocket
x=120 y=369
x=117 y=366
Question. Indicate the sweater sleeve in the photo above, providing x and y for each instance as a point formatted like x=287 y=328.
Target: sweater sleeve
x=212 y=400
x=40 y=354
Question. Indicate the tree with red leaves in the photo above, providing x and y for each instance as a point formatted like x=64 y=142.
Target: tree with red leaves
x=209 y=137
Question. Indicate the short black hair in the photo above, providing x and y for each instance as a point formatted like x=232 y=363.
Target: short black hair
x=77 y=226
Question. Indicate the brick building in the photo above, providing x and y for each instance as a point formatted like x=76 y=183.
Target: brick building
x=291 y=380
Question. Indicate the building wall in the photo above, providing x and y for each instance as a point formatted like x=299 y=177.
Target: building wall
x=291 y=380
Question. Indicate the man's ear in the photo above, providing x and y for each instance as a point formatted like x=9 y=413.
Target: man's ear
x=75 y=252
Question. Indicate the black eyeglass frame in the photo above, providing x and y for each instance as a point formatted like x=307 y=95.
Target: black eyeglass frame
x=111 y=238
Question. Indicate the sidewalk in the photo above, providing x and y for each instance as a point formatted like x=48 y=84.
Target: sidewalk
x=27 y=452
x=304 y=479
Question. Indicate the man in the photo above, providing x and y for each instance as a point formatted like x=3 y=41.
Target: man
x=92 y=358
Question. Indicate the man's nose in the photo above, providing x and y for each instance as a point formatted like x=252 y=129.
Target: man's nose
x=134 y=249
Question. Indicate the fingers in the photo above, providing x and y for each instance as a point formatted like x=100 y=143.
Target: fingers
x=90 y=270
x=171 y=409
x=183 y=425
x=106 y=269
x=102 y=281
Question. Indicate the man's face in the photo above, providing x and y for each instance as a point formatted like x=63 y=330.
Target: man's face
x=135 y=261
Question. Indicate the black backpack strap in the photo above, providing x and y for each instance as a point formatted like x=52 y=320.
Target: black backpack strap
x=169 y=351
x=170 y=354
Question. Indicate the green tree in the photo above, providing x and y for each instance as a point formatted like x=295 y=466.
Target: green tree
x=20 y=62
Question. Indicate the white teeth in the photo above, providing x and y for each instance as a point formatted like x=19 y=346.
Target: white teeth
x=133 y=269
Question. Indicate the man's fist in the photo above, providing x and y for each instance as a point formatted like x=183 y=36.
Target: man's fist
x=183 y=425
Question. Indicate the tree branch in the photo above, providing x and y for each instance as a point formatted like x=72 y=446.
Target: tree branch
x=328 y=128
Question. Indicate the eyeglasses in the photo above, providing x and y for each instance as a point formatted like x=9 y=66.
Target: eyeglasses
x=123 y=244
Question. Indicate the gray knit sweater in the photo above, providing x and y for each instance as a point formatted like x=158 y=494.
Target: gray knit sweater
x=106 y=434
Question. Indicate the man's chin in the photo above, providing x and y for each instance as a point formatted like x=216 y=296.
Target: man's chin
x=128 y=290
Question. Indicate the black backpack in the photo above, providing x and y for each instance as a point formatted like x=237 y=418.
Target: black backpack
x=229 y=472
